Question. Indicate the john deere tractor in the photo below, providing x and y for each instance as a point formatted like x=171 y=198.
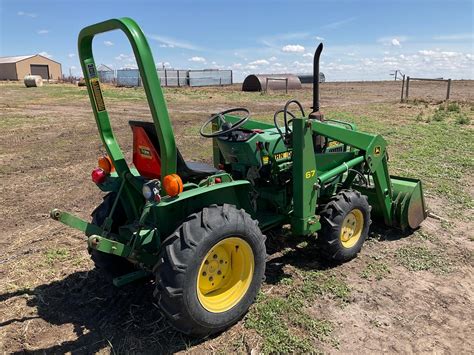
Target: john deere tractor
x=198 y=230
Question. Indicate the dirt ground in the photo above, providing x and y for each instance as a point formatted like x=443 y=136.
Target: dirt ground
x=404 y=293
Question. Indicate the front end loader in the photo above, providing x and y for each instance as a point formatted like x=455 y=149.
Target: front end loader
x=198 y=229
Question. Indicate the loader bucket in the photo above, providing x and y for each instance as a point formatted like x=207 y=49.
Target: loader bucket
x=409 y=208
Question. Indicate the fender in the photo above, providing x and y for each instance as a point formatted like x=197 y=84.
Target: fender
x=171 y=211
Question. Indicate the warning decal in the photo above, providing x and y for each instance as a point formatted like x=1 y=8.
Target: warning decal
x=97 y=92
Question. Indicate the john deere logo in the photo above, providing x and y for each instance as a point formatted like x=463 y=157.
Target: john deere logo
x=377 y=150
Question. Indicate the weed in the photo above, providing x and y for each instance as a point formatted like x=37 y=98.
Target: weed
x=439 y=115
x=419 y=117
x=53 y=255
x=417 y=258
x=375 y=270
x=462 y=119
x=453 y=107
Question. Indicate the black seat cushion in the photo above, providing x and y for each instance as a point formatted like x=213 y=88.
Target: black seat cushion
x=188 y=171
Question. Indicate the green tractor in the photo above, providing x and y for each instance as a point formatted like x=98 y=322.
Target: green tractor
x=198 y=229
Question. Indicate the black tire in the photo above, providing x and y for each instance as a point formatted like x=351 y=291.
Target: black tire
x=109 y=265
x=182 y=255
x=332 y=217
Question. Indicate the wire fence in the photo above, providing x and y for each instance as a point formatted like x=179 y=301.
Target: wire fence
x=173 y=77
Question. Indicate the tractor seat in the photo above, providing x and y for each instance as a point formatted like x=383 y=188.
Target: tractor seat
x=188 y=171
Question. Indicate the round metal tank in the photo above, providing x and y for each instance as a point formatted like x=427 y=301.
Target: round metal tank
x=33 y=81
x=258 y=82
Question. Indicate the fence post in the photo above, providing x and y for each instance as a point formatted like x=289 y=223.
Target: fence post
x=177 y=74
x=449 y=89
x=408 y=87
x=403 y=87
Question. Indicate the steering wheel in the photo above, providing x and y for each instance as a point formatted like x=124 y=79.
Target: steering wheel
x=224 y=126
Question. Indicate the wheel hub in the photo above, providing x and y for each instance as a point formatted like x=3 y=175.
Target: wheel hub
x=225 y=274
x=351 y=228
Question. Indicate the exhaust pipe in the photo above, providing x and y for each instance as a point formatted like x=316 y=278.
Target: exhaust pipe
x=317 y=55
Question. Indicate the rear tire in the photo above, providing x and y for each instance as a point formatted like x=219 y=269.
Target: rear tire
x=345 y=222
x=191 y=288
x=109 y=265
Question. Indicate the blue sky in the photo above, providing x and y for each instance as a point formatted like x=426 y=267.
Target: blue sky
x=364 y=40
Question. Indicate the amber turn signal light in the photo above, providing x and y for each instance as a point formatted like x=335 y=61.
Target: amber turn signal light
x=105 y=163
x=173 y=185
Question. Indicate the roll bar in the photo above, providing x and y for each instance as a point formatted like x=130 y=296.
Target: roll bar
x=151 y=84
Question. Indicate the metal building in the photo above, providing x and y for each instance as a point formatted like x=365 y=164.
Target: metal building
x=262 y=82
x=16 y=68
x=308 y=78
x=106 y=74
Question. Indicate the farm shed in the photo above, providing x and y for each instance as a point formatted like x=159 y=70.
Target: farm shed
x=258 y=82
x=308 y=78
x=16 y=68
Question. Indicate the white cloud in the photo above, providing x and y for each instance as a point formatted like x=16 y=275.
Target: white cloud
x=259 y=62
x=395 y=42
x=197 y=59
x=108 y=43
x=121 y=57
x=27 y=14
x=272 y=59
x=42 y=32
x=455 y=37
x=45 y=54
x=71 y=55
x=319 y=38
x=293 y=48
x=337 y=24
x=309 y=55
x=171 y=42
x=164 y=45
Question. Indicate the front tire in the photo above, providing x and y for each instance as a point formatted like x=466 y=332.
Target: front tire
x=210 y=270
x=345 y=222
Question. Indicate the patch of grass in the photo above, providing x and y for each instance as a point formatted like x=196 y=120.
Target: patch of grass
x=377 y=270
x=425 y=235
x=285 y=326
x=54 y=255
x=418 y=258
x=317 y=283
x=269 y=318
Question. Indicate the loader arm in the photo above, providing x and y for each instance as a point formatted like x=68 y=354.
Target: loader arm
x=372 y=151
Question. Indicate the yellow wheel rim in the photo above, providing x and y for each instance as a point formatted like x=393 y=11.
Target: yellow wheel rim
x=225 y=274
x=351 y=228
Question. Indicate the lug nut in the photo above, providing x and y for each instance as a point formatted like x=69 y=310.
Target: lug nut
x=204 y=273
x=215 y=256
x=211 y=278
x=219 y=272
